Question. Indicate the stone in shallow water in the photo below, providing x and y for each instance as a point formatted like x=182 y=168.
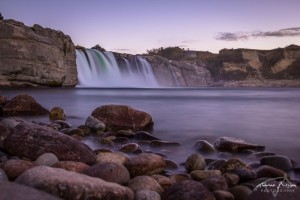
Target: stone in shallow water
x=188 y=190
x=57 y=113
x=233 y=164
x=122 y=117
x=268 y=171
x=71 y=185
x=129 y=148
x=94 y=124
x=204 y=147
x=229 y=144
x=195 y=162
x=142 y=135
x=277 y=161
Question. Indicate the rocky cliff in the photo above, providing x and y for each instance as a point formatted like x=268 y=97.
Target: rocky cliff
x=35 y=56
x=231 y=68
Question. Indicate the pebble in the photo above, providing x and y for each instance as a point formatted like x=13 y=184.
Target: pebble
x=115 y=157
x=47 y=159
x=195 y=162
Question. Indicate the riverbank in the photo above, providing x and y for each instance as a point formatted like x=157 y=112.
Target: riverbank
x=227 y=167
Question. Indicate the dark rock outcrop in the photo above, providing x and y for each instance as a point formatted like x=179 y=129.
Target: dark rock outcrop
x=35 y=56
x=23 y=104
x=122 y=117
x=31 y=141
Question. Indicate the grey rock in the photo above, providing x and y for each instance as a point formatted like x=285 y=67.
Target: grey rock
x=14 y=191
x=145 y=183
x=195 y=162
x=47 y=159
x=10 y=122
x=71 y=185
x=147 y=195
x=204 y=147
x=240 y=192
x=94 y=124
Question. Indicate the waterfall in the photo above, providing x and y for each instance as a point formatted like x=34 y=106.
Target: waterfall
x=102 y=69
x=174 y=77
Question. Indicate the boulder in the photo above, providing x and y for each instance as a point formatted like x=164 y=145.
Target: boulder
x=14 y=191
x=47 y=159
x=115 y=157
x=109 y=171
x=188 y=190
x=31 y=140
x=229 y=144
x=145 y=164
x=122 y=117
x=71 y=185
x=277 y=161
x=268 y=171
x=94 y=124
x=13 y=168
x=23 y=104
x=195 y=162
x=147 y=195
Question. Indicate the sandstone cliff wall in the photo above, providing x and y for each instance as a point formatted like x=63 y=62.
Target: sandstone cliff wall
x=35 y=56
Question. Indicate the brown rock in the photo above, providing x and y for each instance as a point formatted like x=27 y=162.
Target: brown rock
x=115 y=157
x=229 y=144
x=165 y=182
x=145 y=164
x=71 y=166
x=233 y=164
x=71 y=185
x=108 y=171
x=4 y=132
x=195 y=162
x=270 y=172
x=13 y=168
x=130 y=148
x=14 y=191
x=215 y=183
x=31 y=141
x=3 y=99
x=240 y=192
x=188 y=190
x=36 y=56
x=57 y=113
x=144 y=183
x=223 y=195
x=23 y=104
x=121 y=117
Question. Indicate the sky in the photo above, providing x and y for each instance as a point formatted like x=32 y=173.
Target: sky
x=135 y=26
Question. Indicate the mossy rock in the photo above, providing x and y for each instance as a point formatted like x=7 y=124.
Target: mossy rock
x=57 y=113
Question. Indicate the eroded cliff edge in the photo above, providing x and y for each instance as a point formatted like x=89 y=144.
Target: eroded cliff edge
x=35 y=56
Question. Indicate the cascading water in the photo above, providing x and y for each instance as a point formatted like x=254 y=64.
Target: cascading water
x=101 y=69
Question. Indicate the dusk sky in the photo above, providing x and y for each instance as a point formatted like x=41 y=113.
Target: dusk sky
x=133 y=26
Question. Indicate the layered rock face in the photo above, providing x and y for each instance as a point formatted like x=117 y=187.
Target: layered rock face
x=179 y=73
x=35 y=56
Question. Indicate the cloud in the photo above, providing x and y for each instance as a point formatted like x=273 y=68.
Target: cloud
x=287 y=32
x=189 y=41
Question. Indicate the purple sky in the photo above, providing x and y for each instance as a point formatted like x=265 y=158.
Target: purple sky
x=133 y=26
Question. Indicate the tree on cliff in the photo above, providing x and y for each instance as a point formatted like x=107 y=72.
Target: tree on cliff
x=1 y=16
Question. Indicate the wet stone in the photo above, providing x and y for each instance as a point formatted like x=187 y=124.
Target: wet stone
x=73 y=131
x=233 y=164
x=277 y=161
x=94 y=124
x=204 y=147
x=216 y=164
x=3 y=176
x=171 y=164
x=195 y=162
x=115 y=157
x=63 y=124
x=57 y=113
x=124 y=133
x=176 y=178
x=245 y=174
x=232 y=179
x=86 y=130
x=268 y=171
x=240 y=192
x=259 y=155
x=159 y=143
x=129 y=148
x=14 y=168
x=121 y=140
x=230 y=144
x=142 y=135
x=163 y=181
x=71 y=166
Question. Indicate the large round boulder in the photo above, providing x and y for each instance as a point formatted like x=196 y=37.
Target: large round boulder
x=122 y=117
x=32 y=140
x=71 y=185
x=23 y=104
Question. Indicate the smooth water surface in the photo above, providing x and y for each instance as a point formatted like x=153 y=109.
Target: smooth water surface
x=265 y=116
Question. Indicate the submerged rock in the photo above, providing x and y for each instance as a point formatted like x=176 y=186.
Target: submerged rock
x=229 y=144
x=204 y=146
x=122 y=117
x=94 y=124
x=23 y=104
x=71 y=185
x=57 y=113
x=31 y=140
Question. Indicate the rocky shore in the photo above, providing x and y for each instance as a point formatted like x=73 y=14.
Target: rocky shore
x=47 y=160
